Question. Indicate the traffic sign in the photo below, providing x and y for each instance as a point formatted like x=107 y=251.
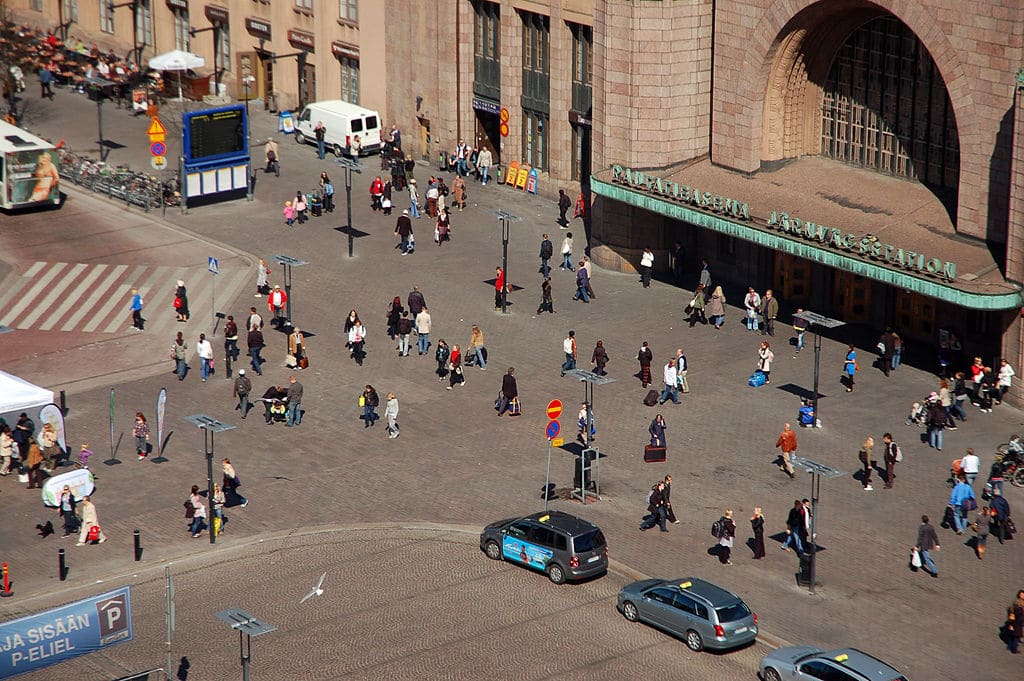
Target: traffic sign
x=213 y=265
x=158 y=162
x=158 y=148
x=156 y=128
x=557 y=442
x=552 y=429
x=554 y=409
x=503 y=115
x=503 y=129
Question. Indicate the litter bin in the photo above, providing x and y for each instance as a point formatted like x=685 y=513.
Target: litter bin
x=500 y=174
x=804 y=576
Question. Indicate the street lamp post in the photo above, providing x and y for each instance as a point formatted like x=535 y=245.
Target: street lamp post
x=350 y=166
x=506 y=219
x=99 y=88
x=209 y=426
x=247 y=82
x=247 y=626
x=817 y=471
x=590 y=452
x=816 y=323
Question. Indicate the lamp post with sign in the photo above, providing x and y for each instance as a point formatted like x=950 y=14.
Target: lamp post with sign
x=505 y=218
x=351 y=166
x=209 y=426
x=816 y=322
x=287 y=263
x=817 y=471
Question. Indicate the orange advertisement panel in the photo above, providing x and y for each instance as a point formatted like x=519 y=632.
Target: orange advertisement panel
x=524 y=172
x=513 y=173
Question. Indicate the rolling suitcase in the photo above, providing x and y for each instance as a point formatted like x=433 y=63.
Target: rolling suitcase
x=757 y=379
x=651 y=398
x=654 y=454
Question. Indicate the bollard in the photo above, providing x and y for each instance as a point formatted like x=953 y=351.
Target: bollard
x=63 y=403
x=61 y=565
x=138 y=546
x=6 y=593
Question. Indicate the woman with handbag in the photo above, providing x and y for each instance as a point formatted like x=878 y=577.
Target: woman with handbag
x=181 y=302
x=765 y=357
x=297 y=348
x=455 y=374
x=369 y=402
x=695 y=309
x=357 y=341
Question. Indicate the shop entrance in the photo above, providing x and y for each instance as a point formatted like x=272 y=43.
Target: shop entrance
x=852 y=295
x=792 y=278
x=488 y=133
x=307 y=87
x=915 y=315
x=265 y=84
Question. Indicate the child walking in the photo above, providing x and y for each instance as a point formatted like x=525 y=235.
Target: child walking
x=289 y=213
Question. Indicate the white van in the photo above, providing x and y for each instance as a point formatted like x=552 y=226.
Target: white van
x=343 y=121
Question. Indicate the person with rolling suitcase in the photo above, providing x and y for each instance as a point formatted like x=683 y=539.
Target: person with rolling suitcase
x=655 y=451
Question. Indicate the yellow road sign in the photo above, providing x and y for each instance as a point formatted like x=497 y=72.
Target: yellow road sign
x=157 y=138
x=156 y=128
x=557 y=442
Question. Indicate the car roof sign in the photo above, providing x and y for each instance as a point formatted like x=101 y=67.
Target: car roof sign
x=686 y=585
x=543 y=518
x=842 y=658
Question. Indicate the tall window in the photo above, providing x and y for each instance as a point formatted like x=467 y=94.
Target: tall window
x=143 y=23
x=223 y=53
x=536 y=37
x=70 y=10
x=305 y=5
x=582 y=54
x=349 y=80
x=348 y=10
x=535 y=139
x=181 y=36
x=580 y=142
x=106 y=17
x=486 y=55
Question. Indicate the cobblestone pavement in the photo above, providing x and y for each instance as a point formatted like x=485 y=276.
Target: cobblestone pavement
x=397 y=604
x=457 y=462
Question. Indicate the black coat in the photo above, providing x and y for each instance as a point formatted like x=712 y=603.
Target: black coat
x=508 y=386
x=546 y=249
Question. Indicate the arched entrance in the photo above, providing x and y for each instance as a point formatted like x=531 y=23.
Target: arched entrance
x=876 y=101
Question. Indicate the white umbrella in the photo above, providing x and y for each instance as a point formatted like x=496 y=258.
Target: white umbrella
x=176 y=60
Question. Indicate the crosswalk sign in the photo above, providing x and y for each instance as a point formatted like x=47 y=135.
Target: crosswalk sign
x=213 y=265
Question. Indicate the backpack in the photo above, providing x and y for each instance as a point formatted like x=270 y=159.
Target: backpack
x=647 y=499
x=718 y=529
x=898 y=452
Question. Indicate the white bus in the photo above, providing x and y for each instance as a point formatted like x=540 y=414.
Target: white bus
x=28 y=169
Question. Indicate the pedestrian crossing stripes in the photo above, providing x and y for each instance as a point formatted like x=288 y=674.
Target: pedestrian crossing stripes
x=96 y=298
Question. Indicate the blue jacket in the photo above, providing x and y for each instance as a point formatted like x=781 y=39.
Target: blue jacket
x=960 y=492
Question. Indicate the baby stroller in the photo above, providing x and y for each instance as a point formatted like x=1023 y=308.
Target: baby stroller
x=918 y=415
x=955 y=471
x=316 y=205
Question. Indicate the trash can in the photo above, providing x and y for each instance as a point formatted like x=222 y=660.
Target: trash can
x=500 y=174
x=804 y=576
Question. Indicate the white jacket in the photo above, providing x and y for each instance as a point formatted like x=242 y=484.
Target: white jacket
x=670 y=374
x=204 y=349
x=359 y=330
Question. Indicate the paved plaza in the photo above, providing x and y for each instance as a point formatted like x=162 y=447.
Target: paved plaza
x=457 y=462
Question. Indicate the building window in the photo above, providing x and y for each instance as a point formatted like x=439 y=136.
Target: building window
x=349 y=80
x=580 y=152
x=181 y=36
x=582 y=54
x=222 y=57
x=536 y=38
x=144 y=23
x=486 y=60
x=485 y=29
x=535 y=139
x=304 y=6
x=106 y=17
x=348 y=10
x=70 y=8
x=36 y=5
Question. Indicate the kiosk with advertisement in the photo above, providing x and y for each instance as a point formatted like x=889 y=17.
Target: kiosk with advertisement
x=216 y=154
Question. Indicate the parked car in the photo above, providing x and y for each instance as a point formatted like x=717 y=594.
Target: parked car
x=558 y=544
x=810 y=662
x=702 y=614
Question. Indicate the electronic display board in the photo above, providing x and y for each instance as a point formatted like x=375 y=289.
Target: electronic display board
x=216 y=134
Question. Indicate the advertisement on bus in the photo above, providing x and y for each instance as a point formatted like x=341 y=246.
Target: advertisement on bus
x=31 y=177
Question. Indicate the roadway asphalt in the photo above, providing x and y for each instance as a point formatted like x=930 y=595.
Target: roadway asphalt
x=456 y=462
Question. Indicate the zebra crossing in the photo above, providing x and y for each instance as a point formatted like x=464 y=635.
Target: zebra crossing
x=96 y=297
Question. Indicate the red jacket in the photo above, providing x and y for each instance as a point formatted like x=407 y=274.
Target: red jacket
x=277 y=299
x=377 y=187
x=499 y=281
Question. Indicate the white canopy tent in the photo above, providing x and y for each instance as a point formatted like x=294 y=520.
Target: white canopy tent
x=18 y=395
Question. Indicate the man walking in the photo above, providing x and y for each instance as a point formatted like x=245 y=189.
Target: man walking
x=509 y=391
x=255 y=321
x=569 y=348
x=205 y=352
x=137 y=321
x=403 y=230
x=794 y=528
x=681 y=369
x=294 y=402
x=547 y=249
x=499 y=287
x=926 y=541
x=423 y=329
x=231 y=339
x=391 y=414
x=971 y=464
x=655 y=509
x=484 y=159
x=276 y=302
x=563 y=206
x=671 y=390
x=243 y=386
x=769 y=310
x=582 y=284
x=254 y=340
x=646 y=267
x=404 y=328
x=892 y=455
x=416 y=302
x=787 y=443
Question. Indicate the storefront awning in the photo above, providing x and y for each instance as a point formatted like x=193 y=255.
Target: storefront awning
x=828 y=213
